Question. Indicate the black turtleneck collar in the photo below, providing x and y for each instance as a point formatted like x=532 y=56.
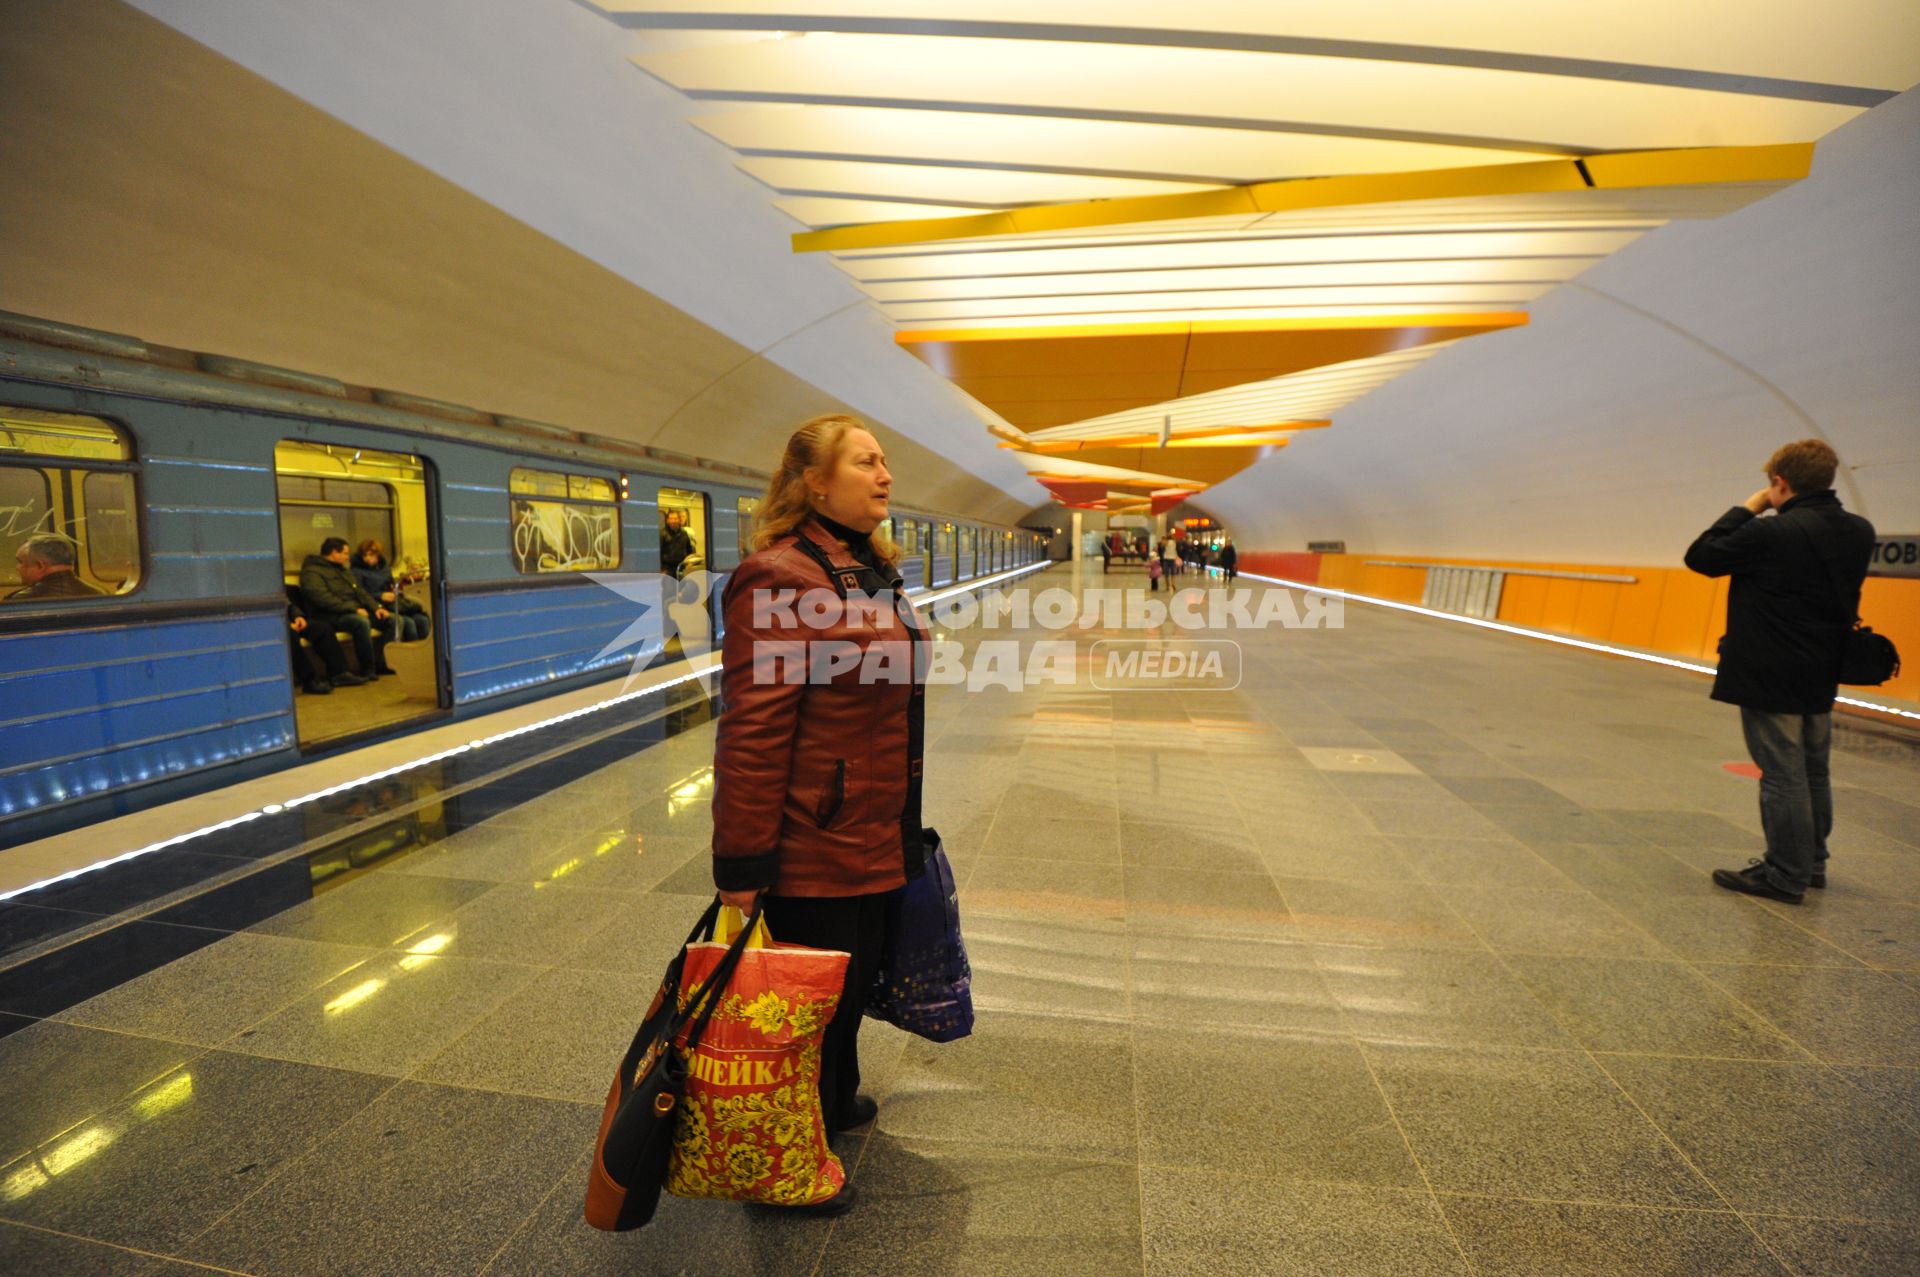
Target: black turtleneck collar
x=860 y=543
x=1823 y=497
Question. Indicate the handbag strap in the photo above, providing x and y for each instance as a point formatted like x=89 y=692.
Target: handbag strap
x=1832 y=580
x=706 y=999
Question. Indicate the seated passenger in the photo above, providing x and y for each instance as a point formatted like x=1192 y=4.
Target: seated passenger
x=319 y=679
x=377 y=579
x=333 y=599
x=46 y=561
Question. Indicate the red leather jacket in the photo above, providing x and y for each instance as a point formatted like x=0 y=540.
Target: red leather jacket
x=817 y=759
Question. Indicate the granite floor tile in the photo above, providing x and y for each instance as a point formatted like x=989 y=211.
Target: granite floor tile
x=1046 y=968
x=1091 y=797
x=1897 y=1088
x=1460 y=863
x=60 y=1075
x=34 y=1251
x=428 y=1179
x=1841 y=1248
x=213 y=993
x=560 y=1037
x=1449 y=819
x=1531 y=920
x=1881 y=933
x=389 y=1015
x=614 y=858
x=1512 y=790
x=1507 y=1238
x=1279 y=818
x=1287 y=1106
x=1669 y=828
x=1050 y=1084
x=1239 y=902
x=1176 y=846
x=641 y=938
x=377 y=910
x=1241 y=983
x=1710 y=925
x=72 y=973
x=1536 y=1124
x=934 y=1206
x=11 y=1024
x=1347 y=858
x=533 y=923
x=1841 y=1015
x=1199 y=1223
x=1044 y=889
x=162 y=1165
x=1780 y=1138
x=1094 y=840
x=1530 y=823
x=1401 y=915
x=1613 y=871
x=24 y=926
x=1436 y=997
x=1653 y=1007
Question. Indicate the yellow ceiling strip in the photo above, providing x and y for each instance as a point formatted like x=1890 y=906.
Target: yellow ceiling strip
x=1198 y=327
x=1188 y=439
x=1691 y=167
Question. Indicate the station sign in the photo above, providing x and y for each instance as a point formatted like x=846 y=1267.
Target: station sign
x=1896 y=556
x=1326 y=547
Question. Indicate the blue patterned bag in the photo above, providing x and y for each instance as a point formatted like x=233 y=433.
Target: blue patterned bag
x=924 y=984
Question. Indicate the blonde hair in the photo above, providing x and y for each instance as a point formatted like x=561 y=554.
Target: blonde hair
x=787 y=503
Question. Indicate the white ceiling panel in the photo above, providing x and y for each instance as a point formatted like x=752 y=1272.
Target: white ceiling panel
x=1873 y=43
x=1348 y=96
x=1125 y=148
x=827 y=210
x=970 y=187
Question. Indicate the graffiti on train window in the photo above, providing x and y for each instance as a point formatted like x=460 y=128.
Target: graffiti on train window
x=69 y=516
x=563 y=522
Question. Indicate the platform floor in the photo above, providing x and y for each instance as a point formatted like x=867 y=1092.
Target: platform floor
x=1400 y=958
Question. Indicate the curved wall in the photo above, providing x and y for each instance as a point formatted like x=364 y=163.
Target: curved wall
x=1643 y=398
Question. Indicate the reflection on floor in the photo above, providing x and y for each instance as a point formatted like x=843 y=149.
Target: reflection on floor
x=1398 y=958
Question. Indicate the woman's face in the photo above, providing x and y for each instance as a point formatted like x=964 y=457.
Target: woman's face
x=857 y=488
x=370 y=557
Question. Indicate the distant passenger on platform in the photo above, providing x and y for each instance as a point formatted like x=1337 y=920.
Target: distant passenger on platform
x=316 y=680
x=1166 y=560
x=45 y=562
x=1229 y=560
x=1154 y=569
x=1795 y=593
x=676 y=544
x=333 y=598
x=411 y=622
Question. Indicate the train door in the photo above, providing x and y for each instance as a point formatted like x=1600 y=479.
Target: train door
x=969 y=547
x=686 y=539
x=357 y=524
x=943 y=554
x=913 y=566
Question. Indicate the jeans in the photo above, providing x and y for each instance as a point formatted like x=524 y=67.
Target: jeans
x=1796 y=791
x=363 y=633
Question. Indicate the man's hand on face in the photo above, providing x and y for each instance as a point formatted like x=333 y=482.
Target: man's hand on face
x=1761 y=501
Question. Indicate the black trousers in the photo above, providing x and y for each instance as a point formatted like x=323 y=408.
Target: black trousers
x=854 y=925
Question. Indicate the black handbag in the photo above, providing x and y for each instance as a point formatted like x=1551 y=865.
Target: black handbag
x=636 y=1127
x=1866 y=659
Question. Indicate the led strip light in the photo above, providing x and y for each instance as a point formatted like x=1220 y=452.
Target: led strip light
x=479 y=743
x=1563 y=640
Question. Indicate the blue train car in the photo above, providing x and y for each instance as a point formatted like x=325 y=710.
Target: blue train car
x=188 y=493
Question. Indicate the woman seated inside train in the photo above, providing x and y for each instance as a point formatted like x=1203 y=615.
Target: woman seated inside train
x=46 y=564
x=377 y=579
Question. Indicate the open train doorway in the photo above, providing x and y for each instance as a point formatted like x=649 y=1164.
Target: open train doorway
x=356 y=555
x=686 y=547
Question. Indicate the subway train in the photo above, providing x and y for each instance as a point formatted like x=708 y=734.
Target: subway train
x=190 y=489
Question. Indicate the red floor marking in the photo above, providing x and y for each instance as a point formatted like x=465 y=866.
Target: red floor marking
x=1742 y=769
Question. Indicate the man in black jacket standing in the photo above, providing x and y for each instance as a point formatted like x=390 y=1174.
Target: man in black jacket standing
x=1795 y=593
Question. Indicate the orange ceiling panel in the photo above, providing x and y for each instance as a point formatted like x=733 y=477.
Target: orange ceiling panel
x=1051 y=376
x=1200 y=466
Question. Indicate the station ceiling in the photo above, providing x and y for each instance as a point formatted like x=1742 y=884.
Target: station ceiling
x=1071 y=209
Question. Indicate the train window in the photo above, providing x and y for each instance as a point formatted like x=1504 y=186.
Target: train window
x=69 y=520
x=563 y=522
x=683 y=531
x=910 y=536
x=744 y=510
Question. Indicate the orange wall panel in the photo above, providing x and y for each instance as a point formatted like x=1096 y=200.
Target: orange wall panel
x=1522 y=599
x=1891 y=605
x=1684 y=610
x=1563 y=600
x=1593 y=613
x=1636 y=611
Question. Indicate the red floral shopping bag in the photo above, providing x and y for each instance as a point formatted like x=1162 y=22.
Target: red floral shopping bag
x=750 y=1127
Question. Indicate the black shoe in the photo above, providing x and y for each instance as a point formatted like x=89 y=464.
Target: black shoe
x=1752 y=881
x=1818 y=879
x=385 y=669
x=348 y=678
x=317 y=687
x=864 y=1111
x=839 y=1204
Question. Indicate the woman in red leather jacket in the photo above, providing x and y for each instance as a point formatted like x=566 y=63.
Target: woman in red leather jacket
x=817 y=759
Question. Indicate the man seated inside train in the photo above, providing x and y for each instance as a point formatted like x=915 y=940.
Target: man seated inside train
x=324 y=647
x=334 y=598
x=45 y=561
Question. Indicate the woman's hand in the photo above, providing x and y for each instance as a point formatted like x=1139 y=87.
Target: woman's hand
x=741 y=900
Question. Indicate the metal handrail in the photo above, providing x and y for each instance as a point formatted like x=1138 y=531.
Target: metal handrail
x=1483 y=567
